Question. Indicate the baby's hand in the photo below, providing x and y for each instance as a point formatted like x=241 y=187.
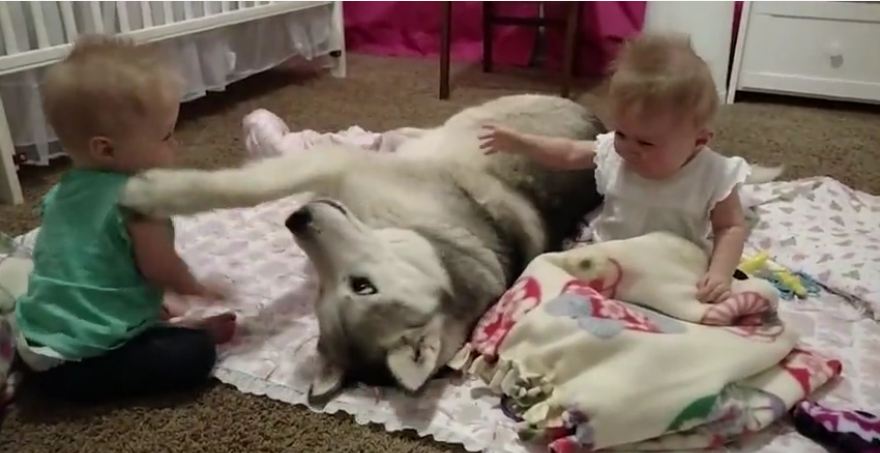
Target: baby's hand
x=214 y=289
x=713 y=288
x=499 y=138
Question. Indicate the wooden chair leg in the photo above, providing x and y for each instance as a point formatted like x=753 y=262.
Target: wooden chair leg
x=445 y=49
x=571 y=31
x=578 y=9
x=488 y=14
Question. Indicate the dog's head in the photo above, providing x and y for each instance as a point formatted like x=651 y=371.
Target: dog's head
x=381 y=301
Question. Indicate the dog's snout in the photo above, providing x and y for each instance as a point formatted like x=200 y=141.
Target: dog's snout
x=299 y=220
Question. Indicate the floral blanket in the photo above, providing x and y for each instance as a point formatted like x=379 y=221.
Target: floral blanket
x=605 y=345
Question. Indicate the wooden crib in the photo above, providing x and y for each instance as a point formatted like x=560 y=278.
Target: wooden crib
x=48 y=41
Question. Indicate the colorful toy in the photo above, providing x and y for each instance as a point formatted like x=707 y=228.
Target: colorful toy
x=813 y=287
x=792 y=281
x=789 y=284
x=754 y=264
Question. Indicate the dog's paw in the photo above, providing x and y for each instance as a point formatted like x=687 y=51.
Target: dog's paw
x=155 y=193
x=262 y=118
x=264 y=133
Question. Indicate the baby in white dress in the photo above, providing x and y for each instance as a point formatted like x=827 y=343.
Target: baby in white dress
x=655 y=169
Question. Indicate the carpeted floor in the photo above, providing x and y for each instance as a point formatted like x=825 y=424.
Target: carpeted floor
x=811 y=138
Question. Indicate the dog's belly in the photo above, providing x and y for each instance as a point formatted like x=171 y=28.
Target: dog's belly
x=413 y=196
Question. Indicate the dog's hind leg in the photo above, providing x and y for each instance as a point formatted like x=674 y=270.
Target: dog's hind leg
x=166 y=192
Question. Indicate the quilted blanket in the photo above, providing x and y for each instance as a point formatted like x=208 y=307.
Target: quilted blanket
x=606 y=345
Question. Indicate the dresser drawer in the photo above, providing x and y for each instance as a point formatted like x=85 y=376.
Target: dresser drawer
x=827 y=49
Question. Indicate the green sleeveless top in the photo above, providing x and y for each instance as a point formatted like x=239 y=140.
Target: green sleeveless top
x=85 y=295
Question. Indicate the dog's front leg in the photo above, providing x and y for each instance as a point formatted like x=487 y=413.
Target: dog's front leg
x=167 y=192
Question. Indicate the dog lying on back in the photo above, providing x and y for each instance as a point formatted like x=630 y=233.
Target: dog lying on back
x=411 y=247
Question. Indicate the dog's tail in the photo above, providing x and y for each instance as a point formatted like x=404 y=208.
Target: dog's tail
x=761 y=174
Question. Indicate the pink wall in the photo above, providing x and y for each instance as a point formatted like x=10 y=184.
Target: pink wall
x=413 y=29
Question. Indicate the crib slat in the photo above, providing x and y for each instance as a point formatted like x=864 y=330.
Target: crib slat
x=147 y=13
x=69 y=21
x=10 y=187
x=187 y=10
x=6 y=28
x=168 y=13
x=122 y=12
x=225 y=7
x=39 y=24
x=242 y=5
x=97 y=19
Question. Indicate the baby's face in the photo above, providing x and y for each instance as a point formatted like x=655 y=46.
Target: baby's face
x=152 y=143
x=656 y=146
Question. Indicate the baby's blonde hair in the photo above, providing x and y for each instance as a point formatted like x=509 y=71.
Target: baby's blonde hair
x=104 y=87
x=661 y=71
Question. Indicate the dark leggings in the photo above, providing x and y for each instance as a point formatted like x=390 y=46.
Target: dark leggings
x=161 y=359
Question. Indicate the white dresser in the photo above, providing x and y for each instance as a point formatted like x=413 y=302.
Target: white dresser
x=816 y=49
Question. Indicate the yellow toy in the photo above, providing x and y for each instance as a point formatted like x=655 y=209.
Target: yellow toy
x=762 y=266
x=752 y=265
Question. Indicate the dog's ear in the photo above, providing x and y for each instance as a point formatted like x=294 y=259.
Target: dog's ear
x=330 y=376
x=327 y=382
x=333 y=353
x=413 y=360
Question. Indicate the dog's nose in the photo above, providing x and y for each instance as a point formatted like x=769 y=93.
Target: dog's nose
x=300 y=219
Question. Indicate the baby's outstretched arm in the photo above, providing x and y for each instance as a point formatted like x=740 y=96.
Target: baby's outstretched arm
x=554 y=152
x=159 y=262
x=729 y=228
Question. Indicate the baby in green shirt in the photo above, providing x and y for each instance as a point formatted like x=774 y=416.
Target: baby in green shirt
x=91 y=324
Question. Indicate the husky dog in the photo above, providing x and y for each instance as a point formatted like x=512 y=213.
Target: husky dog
x=411 y=247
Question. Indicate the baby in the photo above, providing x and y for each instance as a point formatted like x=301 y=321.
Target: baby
x=90 y=325
x=655 y=169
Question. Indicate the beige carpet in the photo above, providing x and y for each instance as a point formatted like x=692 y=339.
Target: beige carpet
x=812 y=138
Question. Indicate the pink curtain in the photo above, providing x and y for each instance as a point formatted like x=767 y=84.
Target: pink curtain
x=413 y=29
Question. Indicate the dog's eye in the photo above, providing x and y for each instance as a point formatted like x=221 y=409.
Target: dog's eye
x=362 y=286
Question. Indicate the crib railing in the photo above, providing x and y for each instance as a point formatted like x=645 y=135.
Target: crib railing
x=142 y=21
x=36 y=34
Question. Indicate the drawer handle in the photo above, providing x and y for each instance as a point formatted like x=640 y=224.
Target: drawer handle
x=835 y=54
